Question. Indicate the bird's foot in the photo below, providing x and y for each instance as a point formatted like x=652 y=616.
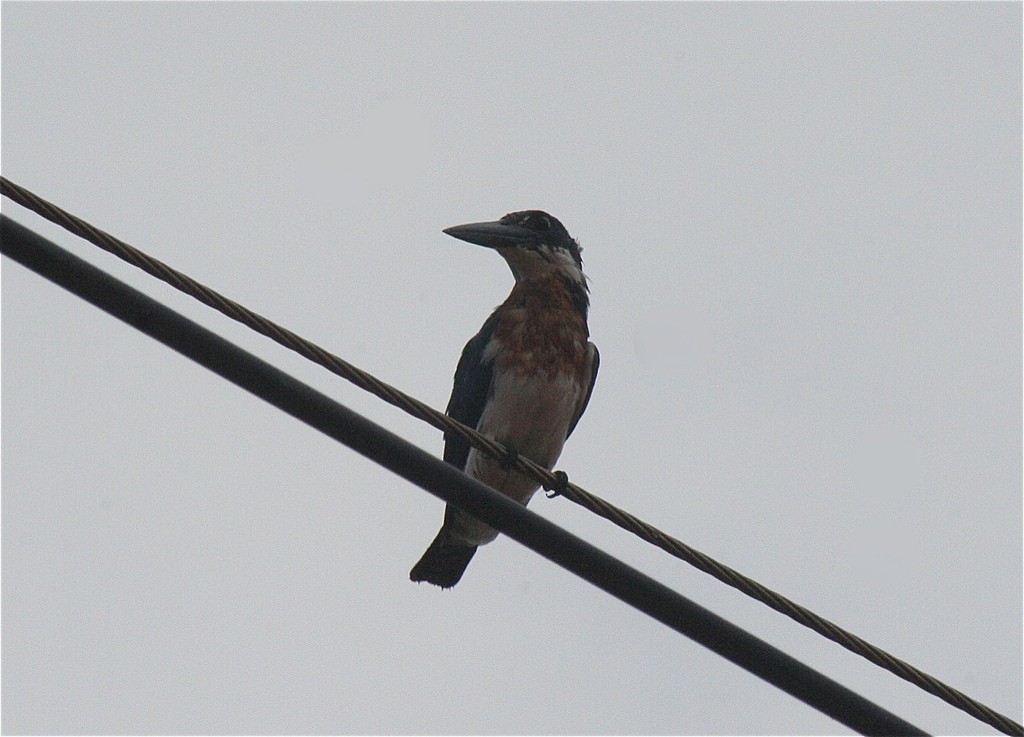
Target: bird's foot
x=511 y=458
x=558 y=487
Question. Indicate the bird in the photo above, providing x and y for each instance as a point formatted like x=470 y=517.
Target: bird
x=524 y=380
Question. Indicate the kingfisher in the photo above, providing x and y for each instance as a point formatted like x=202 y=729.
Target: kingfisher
x=524 y=380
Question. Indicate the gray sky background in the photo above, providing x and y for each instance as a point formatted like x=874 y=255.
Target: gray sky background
x=802 y=224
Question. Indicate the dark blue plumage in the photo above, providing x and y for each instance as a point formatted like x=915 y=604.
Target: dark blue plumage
x=469 y=393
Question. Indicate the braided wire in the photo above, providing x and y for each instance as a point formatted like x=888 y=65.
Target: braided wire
x=555 y=482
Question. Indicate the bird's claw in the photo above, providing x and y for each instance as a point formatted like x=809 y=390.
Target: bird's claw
x=511 y=458
x=558 y=487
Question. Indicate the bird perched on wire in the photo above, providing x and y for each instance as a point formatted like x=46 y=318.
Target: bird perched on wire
x=523 y=380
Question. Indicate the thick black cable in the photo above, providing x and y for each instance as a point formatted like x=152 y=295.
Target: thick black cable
x=445 y=481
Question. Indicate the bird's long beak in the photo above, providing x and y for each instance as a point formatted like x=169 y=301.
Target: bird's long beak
x=492 y=235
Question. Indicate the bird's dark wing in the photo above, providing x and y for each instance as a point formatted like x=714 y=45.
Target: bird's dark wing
x=469 y=395
x=594 y=359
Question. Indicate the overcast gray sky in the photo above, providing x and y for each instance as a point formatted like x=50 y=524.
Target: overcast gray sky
x=802 y=225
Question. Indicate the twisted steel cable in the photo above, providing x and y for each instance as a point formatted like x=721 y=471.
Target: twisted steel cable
x=553 y=481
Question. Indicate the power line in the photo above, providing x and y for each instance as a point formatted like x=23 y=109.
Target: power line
x=445 y=481
x=556 y=481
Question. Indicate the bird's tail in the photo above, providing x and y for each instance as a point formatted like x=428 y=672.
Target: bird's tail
x=444 y=562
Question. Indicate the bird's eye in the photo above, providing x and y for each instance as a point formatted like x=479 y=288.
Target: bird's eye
x=537 y=222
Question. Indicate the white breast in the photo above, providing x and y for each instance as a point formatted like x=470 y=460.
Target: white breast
x=530 y=415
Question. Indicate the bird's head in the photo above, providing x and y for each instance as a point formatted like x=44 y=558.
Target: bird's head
x=533 y=243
